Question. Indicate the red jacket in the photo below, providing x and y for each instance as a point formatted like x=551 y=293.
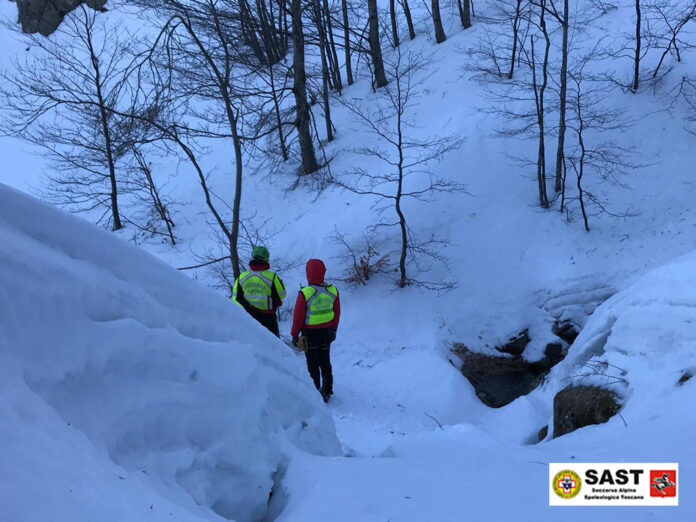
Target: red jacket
x=315 y=276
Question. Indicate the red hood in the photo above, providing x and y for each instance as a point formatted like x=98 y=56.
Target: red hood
x=315 y=271
x=258 y=265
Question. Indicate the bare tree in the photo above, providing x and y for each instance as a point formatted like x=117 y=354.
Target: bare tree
x=637 y=55
x=593 y=121
x=437 y=22
x=346 y=41
x=158 y=210
x=515 y=37
x=539 y=90
x=674 y=17
x=375 y=45
x=318 y=19
x=520 y=104
x=206 y=64
x=564 y=20
x=464 y=7
x=299 y=89
x=61 y=101
x=406 y=161
x=327 y=16
x=394 y=25
x=409 y=18
x=505 y=29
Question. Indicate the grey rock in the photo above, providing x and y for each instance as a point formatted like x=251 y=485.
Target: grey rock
x=566 y=330
x=578 y=406
x=515 y=345
x=44 y=16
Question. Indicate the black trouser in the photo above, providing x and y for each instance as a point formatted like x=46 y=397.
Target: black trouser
x=319 y=366
x=270 y=321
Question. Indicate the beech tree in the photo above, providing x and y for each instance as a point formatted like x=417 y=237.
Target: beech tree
x=406 y=160
x=375 y=45
x=437 y=22
x=299 y=89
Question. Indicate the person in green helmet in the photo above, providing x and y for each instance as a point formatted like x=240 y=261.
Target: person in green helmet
x=259 y=290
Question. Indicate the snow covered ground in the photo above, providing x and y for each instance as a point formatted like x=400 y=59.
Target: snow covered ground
x=129 y=392
x=133 y=405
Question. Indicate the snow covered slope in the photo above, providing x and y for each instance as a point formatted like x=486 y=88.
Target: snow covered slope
x=490 y=468
x=128 y=391
x=640 y=343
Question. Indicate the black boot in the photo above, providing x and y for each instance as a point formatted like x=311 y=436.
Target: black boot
x=325 y=393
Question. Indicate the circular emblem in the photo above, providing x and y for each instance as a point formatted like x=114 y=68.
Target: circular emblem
x=567 y=483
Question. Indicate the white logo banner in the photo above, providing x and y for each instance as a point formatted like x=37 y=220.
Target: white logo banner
x=613 y=484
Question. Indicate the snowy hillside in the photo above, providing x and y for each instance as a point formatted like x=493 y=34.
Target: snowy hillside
x=131 y=393
x=492 y=468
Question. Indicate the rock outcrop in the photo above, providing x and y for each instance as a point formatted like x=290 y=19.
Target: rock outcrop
x=44 y=16
x=500 y=380
x=578 y=406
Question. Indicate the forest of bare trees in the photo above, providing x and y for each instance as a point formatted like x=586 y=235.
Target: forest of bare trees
x=263 y=79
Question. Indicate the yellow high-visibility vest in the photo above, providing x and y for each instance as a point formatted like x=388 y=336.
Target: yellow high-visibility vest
x=258 y=288
x=320 y=300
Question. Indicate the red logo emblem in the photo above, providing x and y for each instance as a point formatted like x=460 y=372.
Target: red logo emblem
x=663 y=483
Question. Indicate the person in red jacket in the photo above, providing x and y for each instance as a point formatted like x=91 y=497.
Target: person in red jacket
x=316 y=316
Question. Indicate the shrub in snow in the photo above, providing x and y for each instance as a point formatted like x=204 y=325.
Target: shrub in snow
x=578 y=406
x=150 y=378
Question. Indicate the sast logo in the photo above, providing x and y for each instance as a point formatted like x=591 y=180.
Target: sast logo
x=663 y=483
x=567 y=484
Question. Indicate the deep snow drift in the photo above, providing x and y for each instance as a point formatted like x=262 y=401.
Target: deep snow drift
x=129 y=392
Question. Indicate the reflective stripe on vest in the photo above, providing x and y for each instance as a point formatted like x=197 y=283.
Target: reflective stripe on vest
x=257 y=288
x=320 y=301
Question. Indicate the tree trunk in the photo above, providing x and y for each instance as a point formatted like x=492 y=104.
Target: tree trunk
x=248 y=27
x=560 y=150
x=437 y=22
x=543 y=197
x=299 y=89
x=108 y=145
x=276 y=109
x=324 y=70
x=234 y=235
x=394 y=27
x=515 y=38
x=332 y=45
x=636 y=61
x=409 y=19
x=346 y=37
x=464 y=13
x=375 y=47
x=157 y=203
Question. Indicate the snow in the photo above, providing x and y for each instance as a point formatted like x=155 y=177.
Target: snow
x=488 y=468
x=121 y=335
x=123 y=379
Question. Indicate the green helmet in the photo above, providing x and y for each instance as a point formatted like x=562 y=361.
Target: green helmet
x=261 y=252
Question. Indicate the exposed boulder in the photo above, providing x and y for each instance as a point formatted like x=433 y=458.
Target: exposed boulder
x=685 y=377
x=44 y=16
x=516 y=345
x=566 y=330
x=578 y=406
x=543 y=433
